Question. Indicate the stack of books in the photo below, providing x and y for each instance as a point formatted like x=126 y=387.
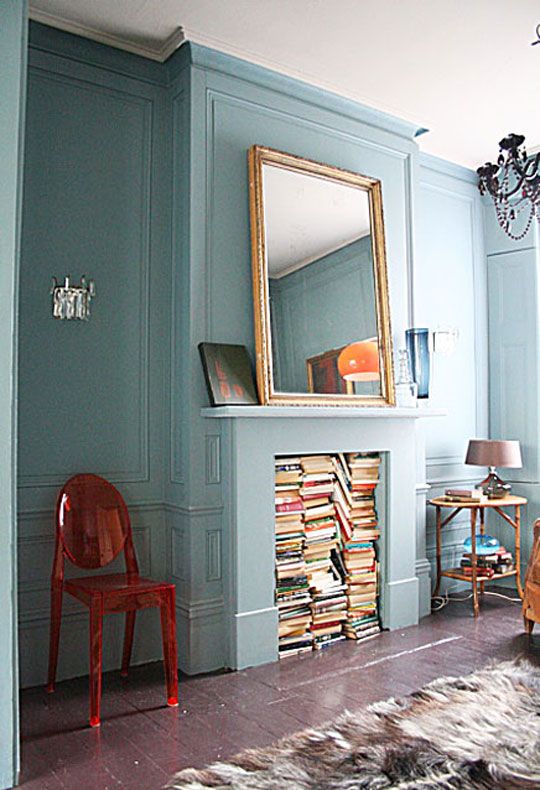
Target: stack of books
x=488 y=565
x=362 y=586
x=354 y=495
x=328 y=600
x=357 y=476
x=287 y=482
x=465 y=495
x=292 y=590
x=326 y=564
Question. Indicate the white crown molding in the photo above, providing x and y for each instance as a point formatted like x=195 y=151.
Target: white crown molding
x=314 y=80
x=160 y=52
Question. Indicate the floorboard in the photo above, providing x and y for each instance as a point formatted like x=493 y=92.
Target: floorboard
x=141 y=742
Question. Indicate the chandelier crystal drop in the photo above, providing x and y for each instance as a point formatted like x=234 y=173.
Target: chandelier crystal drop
x=514 y=185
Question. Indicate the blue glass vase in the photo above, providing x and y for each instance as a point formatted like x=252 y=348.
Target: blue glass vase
x=418 y=348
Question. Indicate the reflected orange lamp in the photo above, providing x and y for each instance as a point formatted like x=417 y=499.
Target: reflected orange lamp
x=359 y=361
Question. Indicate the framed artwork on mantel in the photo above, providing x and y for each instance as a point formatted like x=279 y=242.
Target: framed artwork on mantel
x=228 y=373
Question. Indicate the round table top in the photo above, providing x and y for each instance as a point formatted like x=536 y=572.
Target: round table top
x=503 y=502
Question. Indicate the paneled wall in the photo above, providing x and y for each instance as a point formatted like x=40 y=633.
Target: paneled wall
x=234 y=105
x=137 y=177
x=13 y=48
x=449 y=287
x=514 y=372
x=96 y=202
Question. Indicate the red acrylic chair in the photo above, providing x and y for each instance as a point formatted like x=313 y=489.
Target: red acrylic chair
x=92 y=528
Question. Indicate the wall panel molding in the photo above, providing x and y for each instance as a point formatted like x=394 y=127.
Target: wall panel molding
x=197 y=609
x=69 y=53
x=38 y=589
x=440 y=183
x=192 y=510
x=30 y=514
x=179 y=231
x=304 y=121
x=213 y=555
x=213 y=459
x=178 y=554
x=139 y=470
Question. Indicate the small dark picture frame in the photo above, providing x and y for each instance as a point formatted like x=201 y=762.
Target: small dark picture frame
x=229 y=375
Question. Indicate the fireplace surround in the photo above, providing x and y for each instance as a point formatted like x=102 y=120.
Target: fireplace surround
x=252 y=436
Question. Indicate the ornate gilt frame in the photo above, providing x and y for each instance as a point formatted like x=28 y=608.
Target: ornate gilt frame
x=257 y=156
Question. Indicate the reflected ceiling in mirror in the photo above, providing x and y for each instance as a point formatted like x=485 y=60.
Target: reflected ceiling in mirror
x=321 y=298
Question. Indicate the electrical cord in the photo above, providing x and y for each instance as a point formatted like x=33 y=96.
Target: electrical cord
x=438 y=602
x=500 y=595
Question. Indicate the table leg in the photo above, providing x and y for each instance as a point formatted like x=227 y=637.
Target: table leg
x=473 y=562
x=518 y=551
x=438 y=537
x=482 y=530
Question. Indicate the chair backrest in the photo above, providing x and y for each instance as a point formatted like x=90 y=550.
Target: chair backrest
x=92 y=525
x=533 y=569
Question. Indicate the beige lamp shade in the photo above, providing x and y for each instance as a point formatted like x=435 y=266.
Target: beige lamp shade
x=493 y=452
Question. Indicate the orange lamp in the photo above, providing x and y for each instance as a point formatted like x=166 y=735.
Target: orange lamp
x=360 y=361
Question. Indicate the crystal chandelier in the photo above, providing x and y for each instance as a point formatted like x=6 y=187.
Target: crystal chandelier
x=514 y=185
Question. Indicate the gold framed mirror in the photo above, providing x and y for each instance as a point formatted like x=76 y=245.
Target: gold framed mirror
x=321 y=306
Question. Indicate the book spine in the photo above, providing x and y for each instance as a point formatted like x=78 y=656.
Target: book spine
x=290 y=507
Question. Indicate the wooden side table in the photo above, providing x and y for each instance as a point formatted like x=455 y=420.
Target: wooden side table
x=478 y=508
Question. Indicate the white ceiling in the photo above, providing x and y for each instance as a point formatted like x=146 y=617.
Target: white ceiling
x=307 y=217
x=465 y=69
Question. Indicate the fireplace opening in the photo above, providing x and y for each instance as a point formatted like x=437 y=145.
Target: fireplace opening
x=327 y=565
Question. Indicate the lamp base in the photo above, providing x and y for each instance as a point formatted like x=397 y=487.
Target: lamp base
x=493 y=487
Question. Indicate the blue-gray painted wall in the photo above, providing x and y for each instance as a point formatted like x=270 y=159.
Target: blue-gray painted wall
x=232 y=106
x=450 y=290
x=514 y=374
x=12 y=88
x=138 y=177
x=433 y=232
x=91 y=395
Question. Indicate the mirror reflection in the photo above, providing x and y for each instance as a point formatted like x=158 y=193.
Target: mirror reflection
x=322 y=323
x=321 y=284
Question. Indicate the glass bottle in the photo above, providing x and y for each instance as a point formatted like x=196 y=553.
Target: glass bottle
x=406 y=389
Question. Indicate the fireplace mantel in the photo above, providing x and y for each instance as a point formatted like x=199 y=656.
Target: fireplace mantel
x=249 y=439
x=335 y=412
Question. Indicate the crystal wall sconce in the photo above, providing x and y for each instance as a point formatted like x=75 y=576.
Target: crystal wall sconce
x=72 y=302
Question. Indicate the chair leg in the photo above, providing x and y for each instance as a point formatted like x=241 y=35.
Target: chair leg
x=54 y=637
x=170 y=657
x=128 y=642
x=96 y=650
x=529 y=625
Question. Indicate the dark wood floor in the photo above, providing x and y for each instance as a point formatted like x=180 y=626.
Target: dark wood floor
x=141 y=742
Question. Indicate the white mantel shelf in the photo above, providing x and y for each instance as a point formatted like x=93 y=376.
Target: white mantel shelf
x=333 y=412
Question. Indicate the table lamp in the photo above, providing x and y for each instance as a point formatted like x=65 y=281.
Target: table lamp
x=493 y=453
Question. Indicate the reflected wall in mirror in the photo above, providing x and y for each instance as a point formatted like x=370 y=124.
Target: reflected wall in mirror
x=322 y=325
